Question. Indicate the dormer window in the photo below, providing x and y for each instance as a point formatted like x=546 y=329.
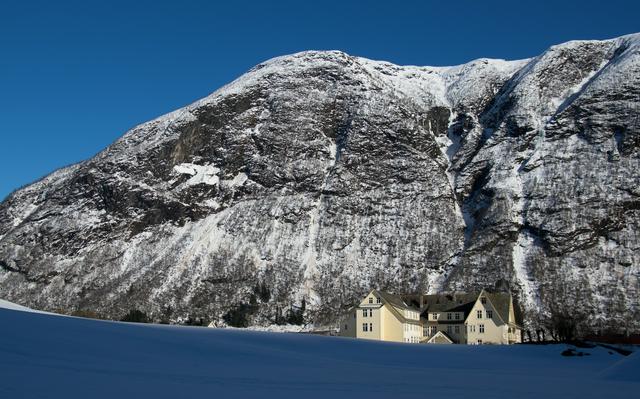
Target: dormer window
x=448 y=316
x=483 y=300
x=434 y=316
x=489 y=314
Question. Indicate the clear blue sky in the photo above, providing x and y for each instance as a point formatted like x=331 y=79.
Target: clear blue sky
x=76 y=75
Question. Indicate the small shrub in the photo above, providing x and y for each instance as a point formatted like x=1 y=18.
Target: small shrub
x=238 y=316
x=296 y=314
x=136 y=316
x=87 y=314
x=263 y=292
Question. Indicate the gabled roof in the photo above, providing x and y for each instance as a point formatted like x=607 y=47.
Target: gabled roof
x=439 y=334
x=500 y=302
x=454 y=302
x=395 y=300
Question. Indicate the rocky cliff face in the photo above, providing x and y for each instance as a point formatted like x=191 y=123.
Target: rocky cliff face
x=319 y=175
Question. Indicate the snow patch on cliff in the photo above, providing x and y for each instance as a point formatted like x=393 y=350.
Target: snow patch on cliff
x=200 y=174
x=530 y=292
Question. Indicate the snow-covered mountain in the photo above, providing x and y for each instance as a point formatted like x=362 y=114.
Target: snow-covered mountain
x=319 y=175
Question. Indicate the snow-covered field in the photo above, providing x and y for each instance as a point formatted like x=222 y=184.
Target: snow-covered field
x=49 y=356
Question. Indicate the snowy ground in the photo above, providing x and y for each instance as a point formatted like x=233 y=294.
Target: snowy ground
x=49 y=356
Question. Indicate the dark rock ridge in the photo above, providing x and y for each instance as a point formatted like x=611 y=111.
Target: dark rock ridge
x=319 y=175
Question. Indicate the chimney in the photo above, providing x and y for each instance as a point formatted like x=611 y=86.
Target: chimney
x=421 y=301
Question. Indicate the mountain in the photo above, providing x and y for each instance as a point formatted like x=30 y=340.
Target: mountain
x=314 y=177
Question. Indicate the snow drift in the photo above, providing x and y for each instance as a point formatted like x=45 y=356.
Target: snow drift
x=54 y=356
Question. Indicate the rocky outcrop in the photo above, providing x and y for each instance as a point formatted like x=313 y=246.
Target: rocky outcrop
x=319 y=175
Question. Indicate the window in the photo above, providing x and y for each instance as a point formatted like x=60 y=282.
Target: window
x=346 y=327
x=364 y=327
x=489 y=314
x=371 y=327
x=434 y=330
x=449 y=329
x=479 y=314
x=425 y=331
x=481 y=328
x=370 y=312
x=457 y=329
x=379 y=300
x=364 y=312
x=457 y=316
x=483 y=300
x=471 y=328
x=448 y=316
x=479 y=342
x=434 y=316
x=371 y=300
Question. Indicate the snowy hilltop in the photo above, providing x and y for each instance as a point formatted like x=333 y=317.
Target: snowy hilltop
x=292 y=191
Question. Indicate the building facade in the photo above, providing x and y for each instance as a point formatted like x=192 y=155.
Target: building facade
x=460 y=318
x=384 y=317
